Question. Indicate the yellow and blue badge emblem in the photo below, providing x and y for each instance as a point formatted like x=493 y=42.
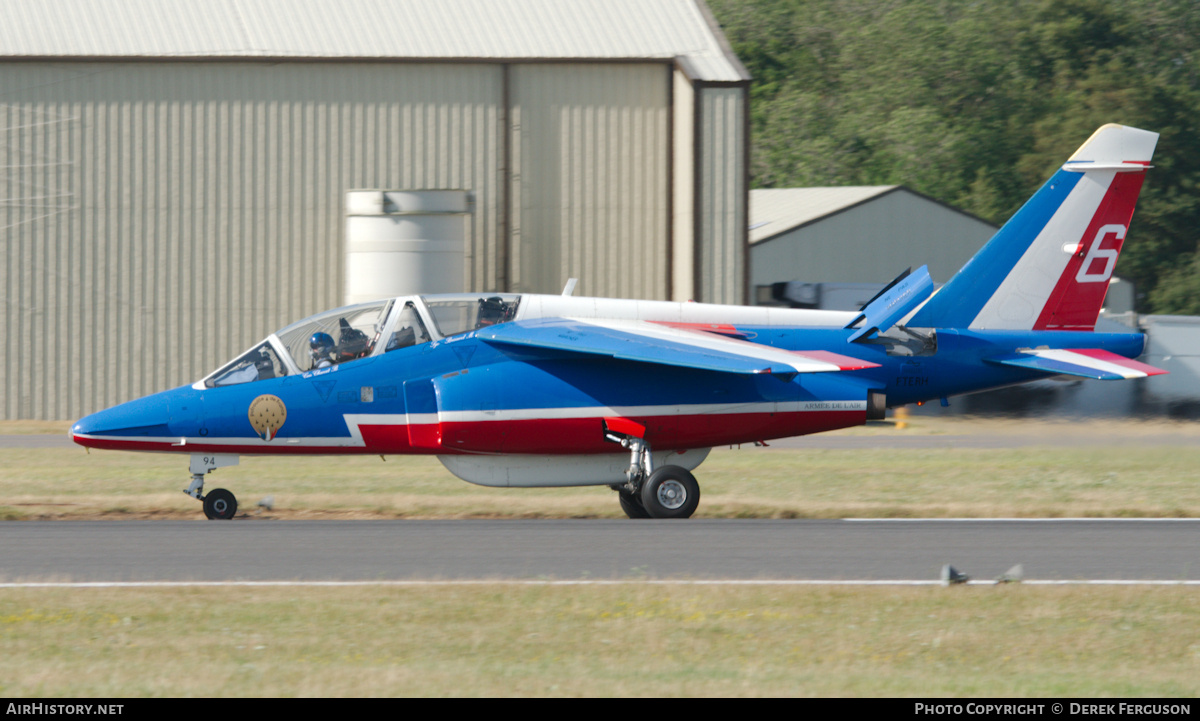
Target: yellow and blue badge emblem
x=267 y=414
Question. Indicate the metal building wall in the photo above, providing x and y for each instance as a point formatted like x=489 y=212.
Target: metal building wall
x=721 y=193
x=683 y=208
x=590 y=149
x=159 y=218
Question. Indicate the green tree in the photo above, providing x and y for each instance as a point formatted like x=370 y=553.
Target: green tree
x=978 y=103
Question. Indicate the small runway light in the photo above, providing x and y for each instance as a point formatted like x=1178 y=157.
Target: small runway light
x=952 y=576
x=1012 y=575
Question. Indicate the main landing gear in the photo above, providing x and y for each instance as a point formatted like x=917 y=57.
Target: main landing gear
x=219 y=504
x=667 y=492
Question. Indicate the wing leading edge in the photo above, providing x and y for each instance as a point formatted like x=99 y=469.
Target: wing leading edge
x=649 y=342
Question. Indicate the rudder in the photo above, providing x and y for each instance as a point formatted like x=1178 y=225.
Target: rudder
x=1049 y=266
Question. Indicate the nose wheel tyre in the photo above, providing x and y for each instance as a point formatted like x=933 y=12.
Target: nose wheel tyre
x=220 y=505
x=671 y=492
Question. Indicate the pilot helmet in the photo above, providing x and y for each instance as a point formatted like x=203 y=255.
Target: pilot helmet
x=402 y=338
x=321 y=345
x=492 y=310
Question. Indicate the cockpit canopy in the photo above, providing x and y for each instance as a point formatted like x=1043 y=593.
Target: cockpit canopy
x=356 y=332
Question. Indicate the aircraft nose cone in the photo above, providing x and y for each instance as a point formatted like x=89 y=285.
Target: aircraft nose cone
x=96 y=425
x=121 y=425
x=81 y=427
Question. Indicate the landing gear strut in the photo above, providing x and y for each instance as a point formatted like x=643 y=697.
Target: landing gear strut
x=219 y=504
x=667 y=492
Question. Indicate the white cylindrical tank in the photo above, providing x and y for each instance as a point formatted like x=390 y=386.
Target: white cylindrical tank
x=404 y=242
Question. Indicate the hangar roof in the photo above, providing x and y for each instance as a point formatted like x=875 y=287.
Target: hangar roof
x=775 y=211
x=371 y=29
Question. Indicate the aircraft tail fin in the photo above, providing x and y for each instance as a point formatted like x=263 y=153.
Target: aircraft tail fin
x=1049 y=266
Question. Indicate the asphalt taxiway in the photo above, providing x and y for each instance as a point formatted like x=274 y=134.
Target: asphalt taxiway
x=870 y=550
x=846 y=550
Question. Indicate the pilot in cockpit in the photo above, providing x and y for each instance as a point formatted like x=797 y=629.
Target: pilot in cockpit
x=402 y=338
x=322 y=347
x=491 y=311
x=409 y=331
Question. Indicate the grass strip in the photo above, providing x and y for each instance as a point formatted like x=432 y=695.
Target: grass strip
x=1123 y=481
x=628 y=640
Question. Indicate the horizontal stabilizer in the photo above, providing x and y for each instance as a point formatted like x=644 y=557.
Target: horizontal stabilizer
x=1084 y=362
x=655 y=343
x=893 y=303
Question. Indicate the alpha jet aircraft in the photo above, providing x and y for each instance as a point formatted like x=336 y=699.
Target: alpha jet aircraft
x=536 y=390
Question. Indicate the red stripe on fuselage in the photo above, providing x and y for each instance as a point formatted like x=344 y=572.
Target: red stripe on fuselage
x=555 y=436
x=585 y=435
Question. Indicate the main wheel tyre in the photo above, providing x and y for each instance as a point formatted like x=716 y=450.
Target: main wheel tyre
x=220 y=505
x=671 y=492
x=632 y=505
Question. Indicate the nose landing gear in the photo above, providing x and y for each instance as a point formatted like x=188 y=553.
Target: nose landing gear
x=219 y=504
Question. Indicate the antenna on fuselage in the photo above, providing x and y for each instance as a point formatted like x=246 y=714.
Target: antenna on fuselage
x=569 y=288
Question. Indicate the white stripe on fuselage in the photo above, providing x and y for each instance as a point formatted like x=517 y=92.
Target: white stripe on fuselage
x=702 y=409
x=1018 y=302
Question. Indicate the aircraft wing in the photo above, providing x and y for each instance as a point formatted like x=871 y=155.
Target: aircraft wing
x=1084 y=362
x=650 y=342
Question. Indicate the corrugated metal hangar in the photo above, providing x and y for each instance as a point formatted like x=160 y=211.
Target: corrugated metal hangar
x=174 y=173
x=860 y=235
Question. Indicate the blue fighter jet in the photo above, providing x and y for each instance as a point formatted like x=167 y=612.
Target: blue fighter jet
x=537 y=390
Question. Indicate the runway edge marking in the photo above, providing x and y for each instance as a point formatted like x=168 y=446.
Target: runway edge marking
x=1072 y=519
x=588 y=582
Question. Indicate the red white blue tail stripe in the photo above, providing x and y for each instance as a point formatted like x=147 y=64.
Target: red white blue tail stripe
x=1049 y=267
